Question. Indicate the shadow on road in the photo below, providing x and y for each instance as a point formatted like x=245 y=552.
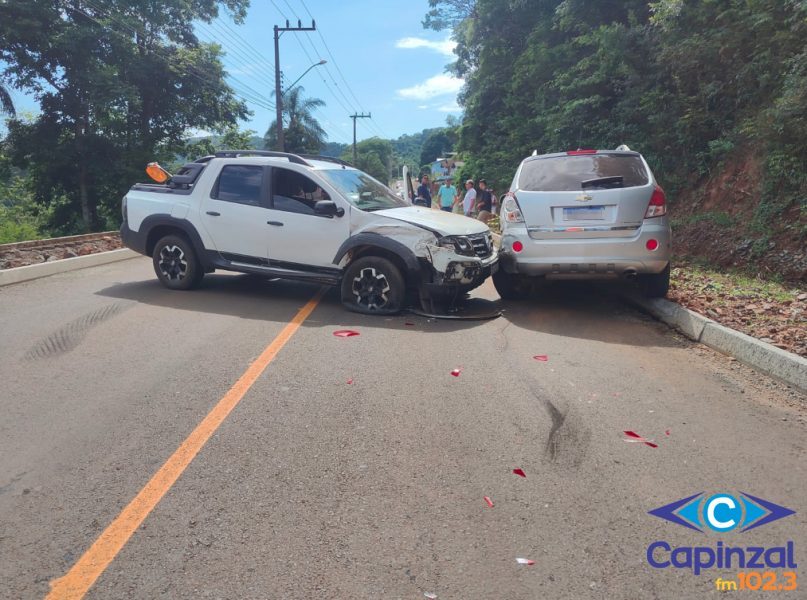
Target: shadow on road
x=587 y=310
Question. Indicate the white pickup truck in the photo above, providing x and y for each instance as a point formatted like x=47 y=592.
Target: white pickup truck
x=305 y=218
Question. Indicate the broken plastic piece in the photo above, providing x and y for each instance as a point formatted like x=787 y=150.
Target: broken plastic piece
x=525 y=561
x=667 y=432
x=489 y=501
x=639 y=439
x=541 y=357
x=350 y=381
x=456 y=372
x=345 y=333
x=431 y=595
x=519 y=472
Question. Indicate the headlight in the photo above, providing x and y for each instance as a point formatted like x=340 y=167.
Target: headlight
x=459 y=244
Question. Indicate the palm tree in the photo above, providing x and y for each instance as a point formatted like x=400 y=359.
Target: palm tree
x=302 y=133
x=6 y=105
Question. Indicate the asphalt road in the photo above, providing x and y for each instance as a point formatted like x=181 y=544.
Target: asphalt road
x=314 y=487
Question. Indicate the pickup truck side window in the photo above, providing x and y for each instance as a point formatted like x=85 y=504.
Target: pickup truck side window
x=294 y=192
x=239 y=183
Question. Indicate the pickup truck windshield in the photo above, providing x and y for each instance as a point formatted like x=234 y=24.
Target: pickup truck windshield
x=361 y=190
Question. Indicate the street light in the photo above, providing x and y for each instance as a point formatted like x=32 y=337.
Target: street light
x=321 y=62
x=279 y=94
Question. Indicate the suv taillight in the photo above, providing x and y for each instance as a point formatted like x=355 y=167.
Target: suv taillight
x=658 y=204
x=511 y=210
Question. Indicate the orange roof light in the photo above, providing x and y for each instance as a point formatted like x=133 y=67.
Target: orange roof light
x=157 y=173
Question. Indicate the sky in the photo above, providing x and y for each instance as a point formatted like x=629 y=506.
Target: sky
x=380 y=61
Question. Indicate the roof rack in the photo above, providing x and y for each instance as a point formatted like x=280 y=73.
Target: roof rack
x=332 y=159
x=293 y=158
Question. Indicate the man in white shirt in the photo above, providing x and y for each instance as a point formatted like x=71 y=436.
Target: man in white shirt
x=470 y=198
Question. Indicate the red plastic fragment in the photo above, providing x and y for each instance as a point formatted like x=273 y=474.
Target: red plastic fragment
x=345 y=333
x=350 y=381
x=525 y=561
x=638 y=438
x=541 y=357
x=519 y=472
x=667 y=432
x=489 y=501
x=456 y=372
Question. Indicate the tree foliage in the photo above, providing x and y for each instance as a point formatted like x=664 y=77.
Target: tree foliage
x=374 y=156
x=119 y=83
x=685 y=83
x=302 y=132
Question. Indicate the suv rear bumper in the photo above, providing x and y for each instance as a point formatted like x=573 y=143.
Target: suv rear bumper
x=587 y=258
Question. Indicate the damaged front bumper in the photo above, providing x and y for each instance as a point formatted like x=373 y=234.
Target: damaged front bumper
x=453 y=272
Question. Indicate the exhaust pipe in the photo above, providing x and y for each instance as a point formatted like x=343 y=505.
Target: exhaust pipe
x=630 y=274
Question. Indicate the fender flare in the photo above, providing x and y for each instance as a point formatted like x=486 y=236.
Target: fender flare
x=165 y=220
x=379 y=241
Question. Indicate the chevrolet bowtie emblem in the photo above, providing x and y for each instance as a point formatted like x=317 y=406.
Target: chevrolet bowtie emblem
x=584 y=198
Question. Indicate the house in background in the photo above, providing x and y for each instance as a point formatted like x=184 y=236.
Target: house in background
x=446 y=167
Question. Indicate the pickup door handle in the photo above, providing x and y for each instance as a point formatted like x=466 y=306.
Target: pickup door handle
x=213 y=213
x=275 y=223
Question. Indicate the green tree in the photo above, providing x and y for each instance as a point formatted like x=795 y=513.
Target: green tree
x=374 y=156
x=303 y=133
x=118 y=83
x=6 y=104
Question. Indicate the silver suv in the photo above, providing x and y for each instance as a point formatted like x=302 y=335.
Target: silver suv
x=584 y=214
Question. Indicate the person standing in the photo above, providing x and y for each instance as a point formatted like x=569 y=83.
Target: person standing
x=424 y=194
x=469 y=201
x=448 y=196
x=484 y=203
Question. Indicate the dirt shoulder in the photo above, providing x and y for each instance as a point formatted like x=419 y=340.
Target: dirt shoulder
x=17 y=255
x=769 y=311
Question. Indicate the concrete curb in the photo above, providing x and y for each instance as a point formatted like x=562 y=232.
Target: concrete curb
x=785 y=366
x=29 y=272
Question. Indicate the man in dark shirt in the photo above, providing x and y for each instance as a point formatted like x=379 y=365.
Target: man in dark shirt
x=423 y=197
x=484 y=204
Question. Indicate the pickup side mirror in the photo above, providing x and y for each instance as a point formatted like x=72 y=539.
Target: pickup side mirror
x=328 y=208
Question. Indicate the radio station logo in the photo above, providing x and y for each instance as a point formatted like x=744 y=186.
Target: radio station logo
x=722 y=512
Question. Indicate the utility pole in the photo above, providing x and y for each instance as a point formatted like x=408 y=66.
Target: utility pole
x=281 y=142
x=354 y=117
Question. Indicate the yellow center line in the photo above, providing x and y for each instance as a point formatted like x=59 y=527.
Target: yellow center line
x=80 y=578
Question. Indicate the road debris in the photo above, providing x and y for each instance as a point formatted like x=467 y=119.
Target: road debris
x=431 y=595
x=525 y=561
x=489 y=501
x=350 y=381
x=667 y=432
x=541 y=357
x=519 y=472
x=408 y=324
x=345 y=333
x=456 y=372
x=635 y=437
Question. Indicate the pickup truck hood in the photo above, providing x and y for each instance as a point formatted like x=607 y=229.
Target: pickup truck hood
x=438 y=221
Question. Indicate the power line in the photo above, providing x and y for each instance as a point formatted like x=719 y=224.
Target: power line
x=336 y=66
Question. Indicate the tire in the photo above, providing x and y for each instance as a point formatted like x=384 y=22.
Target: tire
x=373 y=286
x=511 y=287
x=176 y=264
x=658 y=284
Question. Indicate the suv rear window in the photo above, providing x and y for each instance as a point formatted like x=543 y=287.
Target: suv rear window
x=567 y=173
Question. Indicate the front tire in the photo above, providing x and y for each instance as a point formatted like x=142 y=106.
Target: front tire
x=373 y=286
x=176 y=264
x=511 y=287
x=658 y=284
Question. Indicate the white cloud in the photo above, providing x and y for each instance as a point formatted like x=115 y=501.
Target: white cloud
x=439 y=85
x=451 y=107
x=445 y=47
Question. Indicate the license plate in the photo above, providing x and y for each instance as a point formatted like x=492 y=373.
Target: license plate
x=584 y=213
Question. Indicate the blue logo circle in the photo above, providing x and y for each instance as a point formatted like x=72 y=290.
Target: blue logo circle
x=722 y=512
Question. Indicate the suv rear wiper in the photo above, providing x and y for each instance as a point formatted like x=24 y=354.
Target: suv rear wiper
x=606 y=183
